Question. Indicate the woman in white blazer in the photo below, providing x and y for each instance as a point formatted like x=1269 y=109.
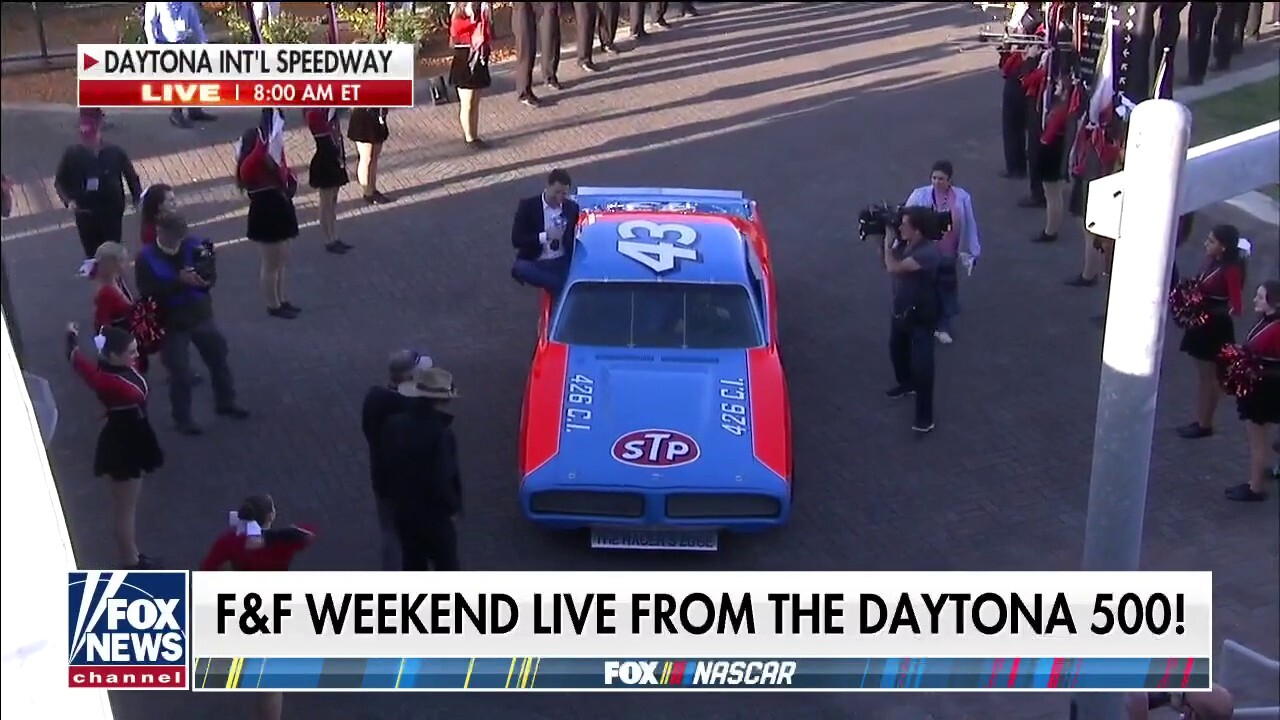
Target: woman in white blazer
x=959 y=245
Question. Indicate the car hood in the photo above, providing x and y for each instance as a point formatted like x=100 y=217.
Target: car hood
x=657 y=419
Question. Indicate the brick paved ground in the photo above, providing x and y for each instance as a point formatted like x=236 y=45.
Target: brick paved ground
x=814 y=110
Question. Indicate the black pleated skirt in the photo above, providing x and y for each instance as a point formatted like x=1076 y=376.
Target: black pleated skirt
x=366 y=125
x=272 y=217
x=127 y=447
x=462 y=74
x=328 y=169
x=1261 y=406
x=1206 y=342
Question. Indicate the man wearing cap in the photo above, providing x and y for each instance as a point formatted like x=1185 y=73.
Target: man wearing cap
x=381 y=403
x=419 y=454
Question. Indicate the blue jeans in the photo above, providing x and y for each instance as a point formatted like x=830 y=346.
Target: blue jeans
x=546 y=274
x=948 y=293
x=911 y=351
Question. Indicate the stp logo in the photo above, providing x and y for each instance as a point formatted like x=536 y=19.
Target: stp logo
x=631 y=673
x=656 y=448
x=127 y=629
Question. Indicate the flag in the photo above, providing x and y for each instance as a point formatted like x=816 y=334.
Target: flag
x=255 y=33
x=1103 y=98
x=271 y=125
x=333 y=22
x=380 y=21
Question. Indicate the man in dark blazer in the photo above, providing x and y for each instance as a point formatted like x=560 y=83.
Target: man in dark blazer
x=543 y=233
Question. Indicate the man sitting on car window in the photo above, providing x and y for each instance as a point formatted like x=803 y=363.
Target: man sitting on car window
x=543 y=234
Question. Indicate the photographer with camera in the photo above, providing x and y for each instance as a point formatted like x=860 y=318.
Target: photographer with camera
x=958 y=244
x=911 y=258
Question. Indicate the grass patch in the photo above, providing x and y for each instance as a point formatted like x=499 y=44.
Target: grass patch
x=1234 y=111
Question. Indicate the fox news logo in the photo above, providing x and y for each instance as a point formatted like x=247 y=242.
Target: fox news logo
x=127 y=630
x=701 y=672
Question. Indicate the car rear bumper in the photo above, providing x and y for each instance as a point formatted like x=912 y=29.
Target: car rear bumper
x=569 y=507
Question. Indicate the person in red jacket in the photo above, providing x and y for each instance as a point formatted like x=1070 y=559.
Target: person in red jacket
x=127 y=447
x=264 y=174
x=252 y=544
x=1260 y=409
x=471 y=32
x=1221 y=281
x=156 y=199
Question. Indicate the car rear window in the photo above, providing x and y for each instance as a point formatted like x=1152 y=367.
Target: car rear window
x=658 y=315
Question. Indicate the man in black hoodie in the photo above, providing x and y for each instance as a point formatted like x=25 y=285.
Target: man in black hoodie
x=381 y=403
x=419 y=454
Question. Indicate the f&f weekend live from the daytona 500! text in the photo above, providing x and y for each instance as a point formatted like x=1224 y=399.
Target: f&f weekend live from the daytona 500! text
x=565 y=631
x=125 y=76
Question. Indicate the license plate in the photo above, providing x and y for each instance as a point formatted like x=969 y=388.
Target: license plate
x=626 y=539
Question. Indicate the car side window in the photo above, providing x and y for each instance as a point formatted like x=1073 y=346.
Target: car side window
x=757 y=279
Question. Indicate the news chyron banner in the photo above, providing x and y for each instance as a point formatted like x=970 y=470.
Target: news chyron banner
x=210 y=76
x=597 y=632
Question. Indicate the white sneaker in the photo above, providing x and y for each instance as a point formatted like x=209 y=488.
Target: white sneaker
x=86 y=268
x=943 y=337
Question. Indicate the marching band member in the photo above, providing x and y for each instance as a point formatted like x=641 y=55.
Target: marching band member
x=1221 y=282
x=471 y=30
x=263 y=173
x=1052 y=156
x=127 y=446
x=1260 y=407
x=1014 y=65
x=1034 y=77
x=327 y=172
x=945 y=197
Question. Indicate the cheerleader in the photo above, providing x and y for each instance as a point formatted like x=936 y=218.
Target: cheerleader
x=367 y=128
x=328 y=172
x=264 y=174
x=252 y=544
x=471 y=31
x=1260 y=408
x=1221 y=281
x=127 y=447
x=156 y=199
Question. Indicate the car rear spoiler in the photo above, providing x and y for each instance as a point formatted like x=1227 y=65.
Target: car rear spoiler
x=718 y=202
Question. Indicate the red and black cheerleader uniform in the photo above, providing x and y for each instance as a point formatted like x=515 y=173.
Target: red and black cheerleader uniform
x=113 y=306
x=271 y=186
x=328 y=167
x=1222 y=285
x=1262 y=405
x=127 y=445
x=276 y=551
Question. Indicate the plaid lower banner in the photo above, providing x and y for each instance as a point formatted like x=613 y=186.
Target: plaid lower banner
x=776 y=674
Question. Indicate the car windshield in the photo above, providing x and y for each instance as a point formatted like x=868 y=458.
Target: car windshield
x=658 y=315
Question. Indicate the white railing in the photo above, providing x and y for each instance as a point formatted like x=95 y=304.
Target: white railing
x=1215 y=171
x=1235 y=656
x=37 y=556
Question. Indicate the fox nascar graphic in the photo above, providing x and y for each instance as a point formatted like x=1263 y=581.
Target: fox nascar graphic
x=128 y=630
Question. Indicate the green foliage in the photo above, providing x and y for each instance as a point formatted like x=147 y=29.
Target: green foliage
x=406 y=27
x=131 y=27
x=285 y=29
x=360 y=21
x=402 y=27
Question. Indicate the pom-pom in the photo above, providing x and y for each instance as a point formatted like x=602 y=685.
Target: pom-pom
x=144 y=323
x=1188 y=305
x=1239 y=371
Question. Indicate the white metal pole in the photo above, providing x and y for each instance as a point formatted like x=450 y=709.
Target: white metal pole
x=1155 y=153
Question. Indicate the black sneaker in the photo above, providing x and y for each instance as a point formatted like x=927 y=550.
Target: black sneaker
x=554 y=84
x=188 y=428
x=1194 y=431
x=662 y=23
x=198 y=115
x=291 y=307
x=234 y=412
x=531 y=100
x=145 y=562
x=376 y=198
x=337 y=247
x=588 y=67
x=282 y=312
x=1244 y=493
x=899 y=391
x=180 y=121
x=1081 y=281
x=477 y=144
x=1044 y=237
x=610 y=48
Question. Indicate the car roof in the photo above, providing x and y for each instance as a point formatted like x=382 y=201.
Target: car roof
x=618 y=221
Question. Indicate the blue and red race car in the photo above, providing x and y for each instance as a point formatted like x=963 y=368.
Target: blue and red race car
x=656 y=411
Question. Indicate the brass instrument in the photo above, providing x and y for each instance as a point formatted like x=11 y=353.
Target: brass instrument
x=1011 y=19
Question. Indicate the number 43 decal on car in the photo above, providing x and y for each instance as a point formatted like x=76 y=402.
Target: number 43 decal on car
x=661 y=247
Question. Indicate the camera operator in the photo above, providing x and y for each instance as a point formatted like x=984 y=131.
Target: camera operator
x=911 y=257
